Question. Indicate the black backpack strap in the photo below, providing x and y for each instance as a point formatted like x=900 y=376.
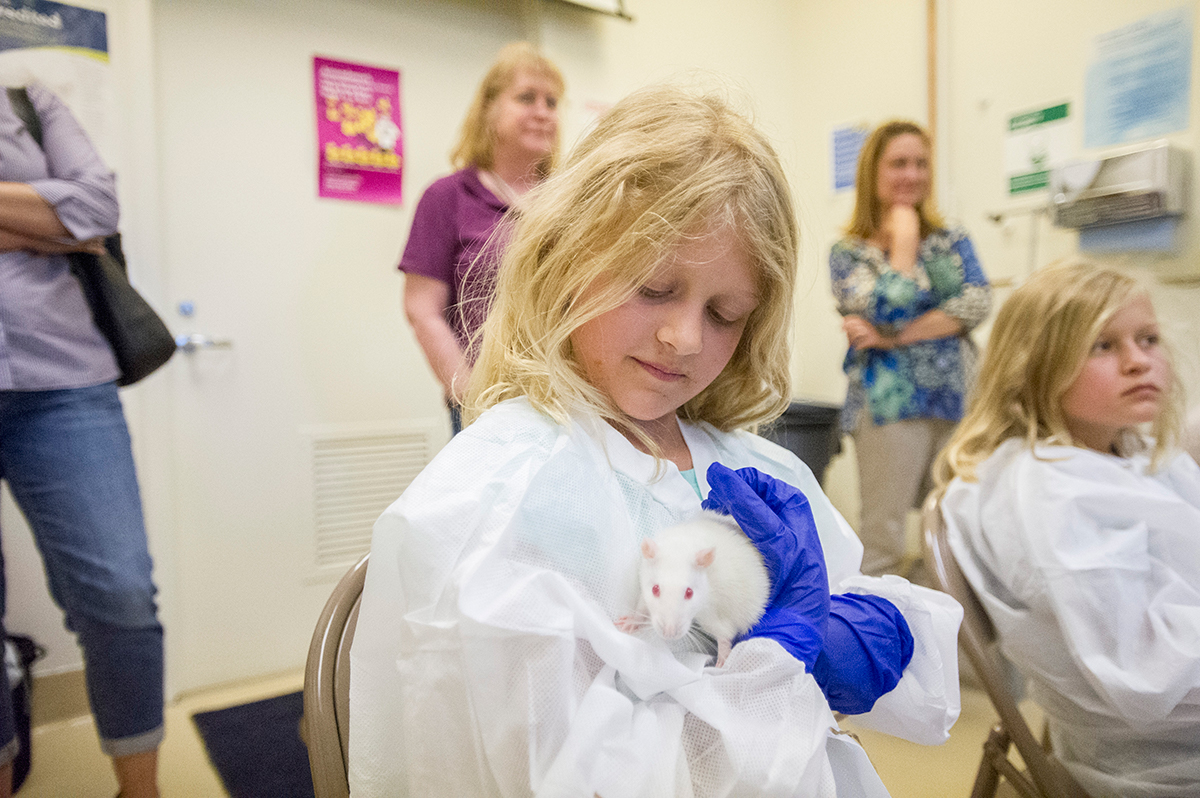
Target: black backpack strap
x=22 y=106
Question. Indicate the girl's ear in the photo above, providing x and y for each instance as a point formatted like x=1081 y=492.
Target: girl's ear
x=649 y=549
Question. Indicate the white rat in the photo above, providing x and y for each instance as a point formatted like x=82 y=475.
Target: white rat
x=704 y=570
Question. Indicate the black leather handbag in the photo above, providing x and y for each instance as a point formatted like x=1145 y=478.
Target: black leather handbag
x=138 y=337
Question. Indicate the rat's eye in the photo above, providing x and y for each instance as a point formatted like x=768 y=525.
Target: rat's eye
x=654 y=590
x=687 y=594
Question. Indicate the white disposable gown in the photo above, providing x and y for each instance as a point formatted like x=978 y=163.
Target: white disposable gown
x=1089 y=566
x=486 y=662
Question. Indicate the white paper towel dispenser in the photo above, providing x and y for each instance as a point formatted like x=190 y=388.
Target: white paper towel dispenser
x=1143 y=182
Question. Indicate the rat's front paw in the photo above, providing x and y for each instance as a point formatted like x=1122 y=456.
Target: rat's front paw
x=629 y=623
x=723 y=649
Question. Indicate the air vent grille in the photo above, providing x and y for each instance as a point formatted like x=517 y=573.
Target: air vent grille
x=355 y=478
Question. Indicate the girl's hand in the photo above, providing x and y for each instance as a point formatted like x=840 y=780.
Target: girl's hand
x=861 y=334
x=856 y=647
x=779 y=522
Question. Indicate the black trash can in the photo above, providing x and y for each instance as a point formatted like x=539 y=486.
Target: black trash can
x=811 y=431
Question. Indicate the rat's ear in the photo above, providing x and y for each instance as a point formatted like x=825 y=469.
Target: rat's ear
x=649 y=549
x=705 y=557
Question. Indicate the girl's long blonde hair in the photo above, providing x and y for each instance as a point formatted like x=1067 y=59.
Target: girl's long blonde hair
x=868 y=210
x=477 y=139
x=663 y=164
x=1039 y=343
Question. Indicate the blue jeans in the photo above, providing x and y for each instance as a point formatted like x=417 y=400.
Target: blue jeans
x=66 y=456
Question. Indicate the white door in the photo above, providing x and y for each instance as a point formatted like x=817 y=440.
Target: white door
x=285 y=445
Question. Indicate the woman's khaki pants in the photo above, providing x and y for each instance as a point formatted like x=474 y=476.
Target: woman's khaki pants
x=894 y=462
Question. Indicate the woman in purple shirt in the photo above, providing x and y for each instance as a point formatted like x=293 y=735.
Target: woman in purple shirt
x=507 y=145
x=64 y=446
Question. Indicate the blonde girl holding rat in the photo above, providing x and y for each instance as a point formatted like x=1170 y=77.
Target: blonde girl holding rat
x=641 y=320
x=1078 y=524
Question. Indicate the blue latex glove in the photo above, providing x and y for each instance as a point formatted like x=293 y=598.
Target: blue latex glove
x=777 y=519
x=867 y=647
x=860 y=652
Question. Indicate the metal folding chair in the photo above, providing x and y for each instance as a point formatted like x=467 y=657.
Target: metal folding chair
x=1044 y=776
x=326 y=722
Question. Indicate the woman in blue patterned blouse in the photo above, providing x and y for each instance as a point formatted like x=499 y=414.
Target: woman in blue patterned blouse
x=909 y=290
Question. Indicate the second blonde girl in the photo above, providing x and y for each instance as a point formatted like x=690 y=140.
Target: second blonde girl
x=1078 y=525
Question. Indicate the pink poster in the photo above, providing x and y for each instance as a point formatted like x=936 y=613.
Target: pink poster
x=361 y=152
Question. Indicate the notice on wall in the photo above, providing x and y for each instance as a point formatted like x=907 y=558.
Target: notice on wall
x=1139 y=80
x=360 y=149
x=846 y=143
x=65 y=49
x=1036 y=141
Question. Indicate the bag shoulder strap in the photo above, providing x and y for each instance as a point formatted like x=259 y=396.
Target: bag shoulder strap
x=22 y=106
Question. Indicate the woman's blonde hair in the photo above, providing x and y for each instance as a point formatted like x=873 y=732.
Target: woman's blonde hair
x=1041 y=339
x=868 y=210
x=477 y=140
x=663 y=164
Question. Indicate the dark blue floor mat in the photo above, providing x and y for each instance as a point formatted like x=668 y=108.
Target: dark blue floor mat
x=256 y=748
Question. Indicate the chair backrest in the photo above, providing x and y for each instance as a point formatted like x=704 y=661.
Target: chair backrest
x=326 y=721
x=976 y=636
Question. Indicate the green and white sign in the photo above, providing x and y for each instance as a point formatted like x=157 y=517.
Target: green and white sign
x=1036 y=140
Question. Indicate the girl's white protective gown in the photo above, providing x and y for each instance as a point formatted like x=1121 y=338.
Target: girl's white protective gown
x=486 y=661
x=1089 y=566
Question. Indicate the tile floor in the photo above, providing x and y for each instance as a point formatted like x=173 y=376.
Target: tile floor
x=68 y=762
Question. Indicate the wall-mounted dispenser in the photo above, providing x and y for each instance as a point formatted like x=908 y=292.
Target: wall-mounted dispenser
x=1144 y=182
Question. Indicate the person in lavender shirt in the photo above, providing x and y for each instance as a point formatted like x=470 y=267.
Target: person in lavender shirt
x=507 y=145
x=64 y=445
